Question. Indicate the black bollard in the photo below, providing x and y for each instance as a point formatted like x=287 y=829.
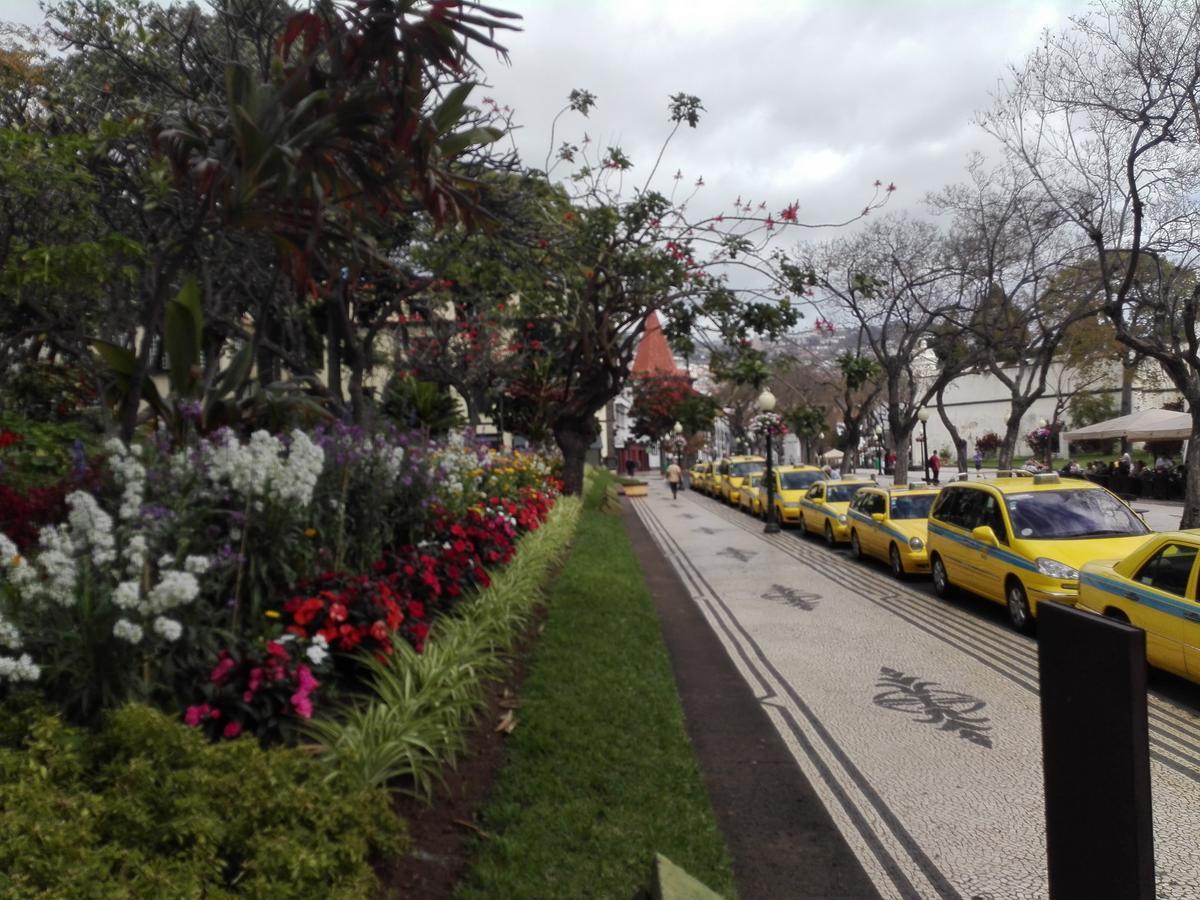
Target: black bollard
x=1096 y=755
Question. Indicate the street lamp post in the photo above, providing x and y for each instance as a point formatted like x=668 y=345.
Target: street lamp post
x=766 y=403
x=923 y=417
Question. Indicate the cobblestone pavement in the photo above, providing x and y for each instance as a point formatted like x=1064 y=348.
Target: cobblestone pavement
x=915 y=720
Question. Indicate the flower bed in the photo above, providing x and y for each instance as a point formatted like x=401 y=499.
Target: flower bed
x=238 y=583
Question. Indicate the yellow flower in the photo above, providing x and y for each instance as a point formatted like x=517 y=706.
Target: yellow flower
x=271 y=614
x=310 y=532
x=16 y=561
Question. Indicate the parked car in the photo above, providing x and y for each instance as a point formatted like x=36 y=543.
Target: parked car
x=733 y=471
x=1022 y=541
x=891 y=524
x=825 y=507
x=750 y=494
x=791 y=483
x=1153 y=588
x=698 y=476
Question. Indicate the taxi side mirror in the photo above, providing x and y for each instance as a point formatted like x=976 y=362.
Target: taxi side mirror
x=878 y=517
x=985 y=535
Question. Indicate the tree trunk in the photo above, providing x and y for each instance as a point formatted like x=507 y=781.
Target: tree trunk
x=573 y=437
x=1128 y=374
x=1012 y=431
x=1191 y=491
x=960 y=445
x=900 y=448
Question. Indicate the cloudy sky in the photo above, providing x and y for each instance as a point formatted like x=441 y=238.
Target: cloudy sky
x=806 y=100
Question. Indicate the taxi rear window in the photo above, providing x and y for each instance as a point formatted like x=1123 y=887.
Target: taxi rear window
x=912 y=507
x=798 y=481
x=745 y=468
x=842 y=493
x=1046 y=515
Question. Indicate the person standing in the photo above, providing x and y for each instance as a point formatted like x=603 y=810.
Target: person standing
x=978 y=460
x=674 y=474
x=935 y=465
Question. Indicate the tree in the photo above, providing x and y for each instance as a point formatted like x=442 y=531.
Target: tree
x=1010 y=249
x=1103 y=117
x=616 y=258
x=893 y=280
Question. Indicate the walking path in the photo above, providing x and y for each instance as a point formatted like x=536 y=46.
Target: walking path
x=915 y=721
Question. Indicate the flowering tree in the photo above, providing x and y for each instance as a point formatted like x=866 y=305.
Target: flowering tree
x=659 y=401
x=616 y=256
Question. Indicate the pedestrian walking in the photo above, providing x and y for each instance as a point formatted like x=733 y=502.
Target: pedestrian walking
x=674 y=474
x=978 y=460
x=935 y=465
x=630 y=467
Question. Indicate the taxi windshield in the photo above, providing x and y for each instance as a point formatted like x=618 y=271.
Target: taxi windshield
x=745 y=468
x=797 y=481
x=842 y=493
x=916 y=507
x=1046 y=515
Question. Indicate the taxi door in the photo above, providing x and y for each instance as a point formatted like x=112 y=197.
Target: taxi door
x=871 y=534
x=957 y=510
x=1164 y=606
x=811 y=506
x=992 y=570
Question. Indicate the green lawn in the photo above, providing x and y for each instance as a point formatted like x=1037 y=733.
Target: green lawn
x=600 y=774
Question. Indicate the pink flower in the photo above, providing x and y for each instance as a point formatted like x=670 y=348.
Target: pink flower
x=221 y=669
x=195 y=714
x=232 y=730
x=302 y=705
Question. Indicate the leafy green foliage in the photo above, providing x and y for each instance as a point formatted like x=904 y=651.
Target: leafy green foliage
x=1087 y=409
x=419 y=404
x=148 y=808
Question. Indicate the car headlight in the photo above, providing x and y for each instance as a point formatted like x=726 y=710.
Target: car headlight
x=842 y=519
x=1055 y=569
x=915 y=543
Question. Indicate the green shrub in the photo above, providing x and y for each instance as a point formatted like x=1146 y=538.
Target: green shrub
x=149 y=808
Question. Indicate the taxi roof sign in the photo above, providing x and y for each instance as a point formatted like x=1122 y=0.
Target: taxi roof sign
x=1047 y=478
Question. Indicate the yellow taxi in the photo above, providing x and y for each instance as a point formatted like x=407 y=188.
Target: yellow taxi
x=751 y=493
x=1022 y=541
x=733 y=472
x=1154 y=588
x=826 y=504
x=698 y=476
x=791 y=483
x=891 y=524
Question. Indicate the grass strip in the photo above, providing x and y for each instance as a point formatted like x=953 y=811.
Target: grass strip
x=600 y=773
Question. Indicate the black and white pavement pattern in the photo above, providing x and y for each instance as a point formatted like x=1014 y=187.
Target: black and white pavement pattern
x=915 y=720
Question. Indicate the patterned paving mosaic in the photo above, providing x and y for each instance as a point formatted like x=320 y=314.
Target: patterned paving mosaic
x=916 y=721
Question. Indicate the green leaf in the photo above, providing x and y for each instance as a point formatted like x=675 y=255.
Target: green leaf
x=451 y=110
x=120 y=360
x=183 y=331
x=456 y=143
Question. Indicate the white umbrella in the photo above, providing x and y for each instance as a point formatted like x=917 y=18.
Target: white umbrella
x=1147 y=425
x=832 y=455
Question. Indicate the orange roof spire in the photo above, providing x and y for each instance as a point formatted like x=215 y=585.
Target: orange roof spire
x=654 y=355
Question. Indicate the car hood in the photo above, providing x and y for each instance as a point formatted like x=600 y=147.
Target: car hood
x=910 y=528
x=1078 y=552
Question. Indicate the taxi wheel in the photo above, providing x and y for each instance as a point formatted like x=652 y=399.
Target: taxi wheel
x=896 y=563
x=1019 y=613
x=941 y=580
x=829 y=538
x=855 y=546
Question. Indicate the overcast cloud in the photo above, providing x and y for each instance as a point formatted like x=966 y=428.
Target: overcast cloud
x=806 y=100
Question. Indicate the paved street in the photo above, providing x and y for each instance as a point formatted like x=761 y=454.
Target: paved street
x=915 y=720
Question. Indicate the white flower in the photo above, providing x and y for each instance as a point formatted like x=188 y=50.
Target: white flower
x=197 y=565
x=127 y=631
x=135 y=554
x=9 y=636
x=317 y=651
x=166 y=561
x=92 y=527
x=128 y=595
x=21 y=669
x=167 y=629
x=173 y=589
x=130 y=474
